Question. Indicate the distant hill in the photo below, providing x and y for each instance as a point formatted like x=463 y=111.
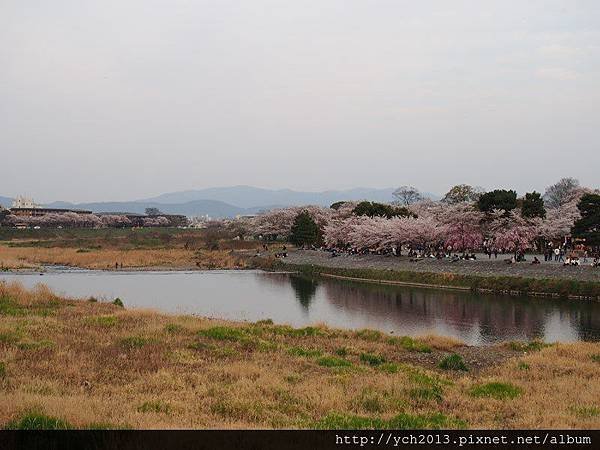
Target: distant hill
x=252 y=197
x=6 y=202
x=195 y=208
x=229 y=201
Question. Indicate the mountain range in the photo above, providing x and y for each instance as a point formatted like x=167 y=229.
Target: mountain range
x=228 y=201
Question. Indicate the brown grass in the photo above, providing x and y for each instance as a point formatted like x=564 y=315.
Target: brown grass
x=90 y=363
x=30 y=257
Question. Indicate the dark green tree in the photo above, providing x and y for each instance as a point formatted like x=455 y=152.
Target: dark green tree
x=338 y=205
x=497 y=199
x=533 y=205
x=305 y=230
x=373 y=209
x=588 y=227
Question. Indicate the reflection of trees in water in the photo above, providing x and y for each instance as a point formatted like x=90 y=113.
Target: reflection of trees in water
x=305 y=289
x=495 y=316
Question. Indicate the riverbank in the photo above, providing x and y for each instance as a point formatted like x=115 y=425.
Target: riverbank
x=485 y=276
x=88 y=364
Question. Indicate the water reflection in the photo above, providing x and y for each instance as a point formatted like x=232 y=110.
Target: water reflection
x=305 y=289
x=299 y=301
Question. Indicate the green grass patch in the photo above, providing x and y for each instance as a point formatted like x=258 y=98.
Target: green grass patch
x=369 y=335
x=8 y=307
x=332 y=361
x=155 y=406
x=35 y=420
x=585 y=412
x=35 y=345
x=453 y=362
x=533 y=346
x=337 y=421
x=224 y=333
x=429 y=393
x=596 y=357
x=523 y=366
x=409 y=344
x=497 y=390
x=389 y=367
x=133 y=342
x=286 y=330
x=173 y=328
x=372 y=359
x=102 y=321
x=305 y=352
x=342 y=351
x=9 y=337
x=2 y=370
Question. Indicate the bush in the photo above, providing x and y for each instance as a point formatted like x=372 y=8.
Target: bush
x=497 y=390
x=2 y=370
x=453 y=362
x=117 y=301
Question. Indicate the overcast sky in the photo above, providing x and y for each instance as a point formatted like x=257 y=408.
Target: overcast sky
x=124 y=99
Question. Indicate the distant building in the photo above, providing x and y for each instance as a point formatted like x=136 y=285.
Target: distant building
x=23 y=206
x=24 y=202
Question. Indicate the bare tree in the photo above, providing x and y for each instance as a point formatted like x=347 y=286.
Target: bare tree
x=561 y=192
x=463 y=193
x=407 y=195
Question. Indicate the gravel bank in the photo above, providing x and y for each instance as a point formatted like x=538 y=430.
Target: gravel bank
x=480 y=267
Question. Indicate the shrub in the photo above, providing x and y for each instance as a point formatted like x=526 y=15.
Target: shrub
x=453 y=362
x=332 y=361
x=265 y=322
x=117 y=301
x=35 y=420
x=596 y=357
x=497 y=390
x=371 y=359
x=2 y=370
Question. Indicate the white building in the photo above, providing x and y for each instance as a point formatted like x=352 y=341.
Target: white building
x=24 y=202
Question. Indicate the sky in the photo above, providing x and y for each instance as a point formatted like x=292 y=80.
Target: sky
x=125 y=99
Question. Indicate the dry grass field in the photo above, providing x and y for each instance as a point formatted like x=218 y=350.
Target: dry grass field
x=85 y=364
x=106 y=258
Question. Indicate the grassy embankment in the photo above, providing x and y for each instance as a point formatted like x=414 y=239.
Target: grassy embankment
x=500 y=284
x=134 y=248
x=88 y=364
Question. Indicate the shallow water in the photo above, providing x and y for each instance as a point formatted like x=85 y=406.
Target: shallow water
x=300 y=301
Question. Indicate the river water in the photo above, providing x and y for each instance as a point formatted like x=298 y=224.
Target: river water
x=287 y=298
